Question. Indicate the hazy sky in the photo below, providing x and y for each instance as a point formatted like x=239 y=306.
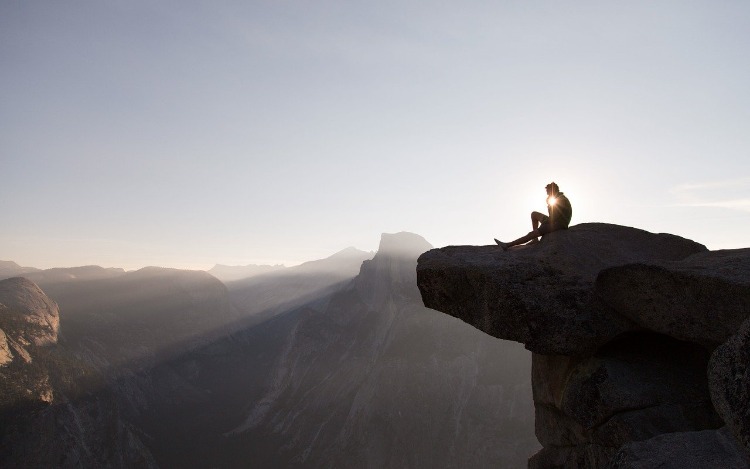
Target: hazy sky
x=188 y=133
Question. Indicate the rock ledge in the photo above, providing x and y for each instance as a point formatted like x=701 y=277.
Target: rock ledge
x=622 y=323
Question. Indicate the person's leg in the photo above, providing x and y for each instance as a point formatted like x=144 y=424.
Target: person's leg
x=537 y=219
x=532 y=235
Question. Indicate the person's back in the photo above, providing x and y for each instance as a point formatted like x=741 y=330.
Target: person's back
x=560 y=211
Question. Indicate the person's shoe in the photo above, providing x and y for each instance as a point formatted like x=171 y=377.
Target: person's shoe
x=501 y=244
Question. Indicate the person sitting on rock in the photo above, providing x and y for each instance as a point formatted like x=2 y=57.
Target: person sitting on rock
x=560 y=213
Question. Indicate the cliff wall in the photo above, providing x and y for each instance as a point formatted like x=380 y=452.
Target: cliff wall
x=639 y=341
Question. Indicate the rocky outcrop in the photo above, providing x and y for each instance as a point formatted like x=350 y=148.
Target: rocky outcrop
x=622 y=324
x=29 y=316
x=29 y=323
x=542 y=295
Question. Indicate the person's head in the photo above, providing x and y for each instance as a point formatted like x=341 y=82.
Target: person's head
x=552 y=189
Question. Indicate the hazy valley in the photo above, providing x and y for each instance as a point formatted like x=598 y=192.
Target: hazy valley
x=333 y=363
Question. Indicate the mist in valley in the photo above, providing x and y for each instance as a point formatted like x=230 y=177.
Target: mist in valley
x=331 y=363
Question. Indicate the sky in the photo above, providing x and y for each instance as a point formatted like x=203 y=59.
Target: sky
x=189 y=133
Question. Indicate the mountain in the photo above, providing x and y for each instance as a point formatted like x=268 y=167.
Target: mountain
x=230 y=273
x=10 y=269
x=374 y=379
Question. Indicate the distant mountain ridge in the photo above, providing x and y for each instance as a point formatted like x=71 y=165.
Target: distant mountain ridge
x=264 y=296
x=10 y=269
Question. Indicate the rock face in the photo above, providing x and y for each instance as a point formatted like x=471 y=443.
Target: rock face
x=622 y=324
x=674 y=298
x=34 y=318
x=707 y=449
x=729 y=375
x=29 y=324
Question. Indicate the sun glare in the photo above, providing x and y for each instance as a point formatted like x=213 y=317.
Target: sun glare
x=551 y=200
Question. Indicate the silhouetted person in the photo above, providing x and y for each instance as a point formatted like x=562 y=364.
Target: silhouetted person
x=560 y=213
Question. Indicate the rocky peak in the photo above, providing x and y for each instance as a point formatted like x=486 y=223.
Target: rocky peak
x=393 y=267
x=622 y=323
x=402 y=244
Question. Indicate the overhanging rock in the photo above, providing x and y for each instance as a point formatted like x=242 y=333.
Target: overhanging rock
x=542 y=294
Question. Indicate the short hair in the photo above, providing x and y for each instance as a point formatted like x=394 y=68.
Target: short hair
x=555 y=187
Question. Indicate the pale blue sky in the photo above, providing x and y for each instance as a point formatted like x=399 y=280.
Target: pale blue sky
x=186 y=133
